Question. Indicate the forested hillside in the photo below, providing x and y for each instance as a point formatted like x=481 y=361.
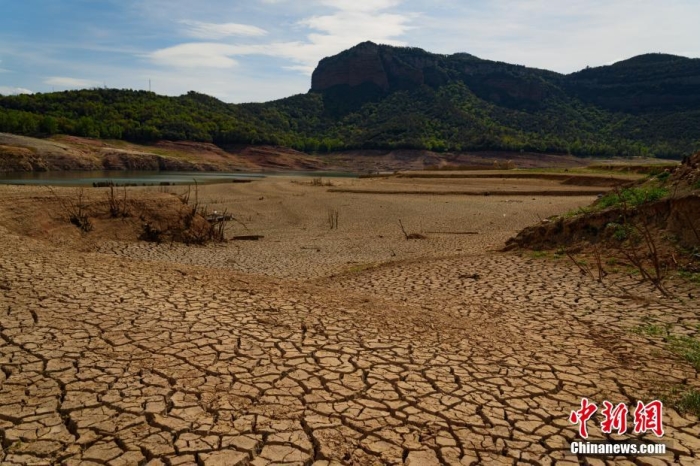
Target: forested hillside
x=381 y=97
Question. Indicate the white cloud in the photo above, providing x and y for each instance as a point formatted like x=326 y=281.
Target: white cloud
x=214 y=31
x=560 y=36
x=72 y=83
x=195 y=55
x=359 y=5
x=358 y=25
x=8 y=90
x=304 y=69
x=352 y=22
x=242 y=86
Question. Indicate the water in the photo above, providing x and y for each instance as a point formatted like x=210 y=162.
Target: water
x=87 y=178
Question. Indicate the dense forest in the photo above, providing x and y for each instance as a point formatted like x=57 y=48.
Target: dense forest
x=407 y=98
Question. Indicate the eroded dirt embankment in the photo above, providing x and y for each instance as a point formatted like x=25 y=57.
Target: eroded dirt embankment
x=61 y=153
x=675 y=216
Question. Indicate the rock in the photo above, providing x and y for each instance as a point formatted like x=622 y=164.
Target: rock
x=387 y=69
x=359 y=65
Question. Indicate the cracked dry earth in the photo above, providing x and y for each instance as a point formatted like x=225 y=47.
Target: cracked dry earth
x=114 y=360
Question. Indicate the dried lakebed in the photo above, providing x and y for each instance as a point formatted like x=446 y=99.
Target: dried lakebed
x=444 y=353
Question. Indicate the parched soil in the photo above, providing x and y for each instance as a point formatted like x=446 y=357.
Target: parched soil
x=318 y=346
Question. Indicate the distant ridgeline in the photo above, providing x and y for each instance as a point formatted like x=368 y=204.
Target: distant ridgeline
x=381 y=97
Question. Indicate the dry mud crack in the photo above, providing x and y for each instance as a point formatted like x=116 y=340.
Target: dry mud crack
x=110 y=360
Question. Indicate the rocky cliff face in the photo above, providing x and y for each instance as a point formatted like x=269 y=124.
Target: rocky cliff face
x=389 y=69
x=361 y=64
x=371 y=63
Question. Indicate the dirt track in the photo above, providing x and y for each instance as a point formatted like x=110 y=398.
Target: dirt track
x=318 y=346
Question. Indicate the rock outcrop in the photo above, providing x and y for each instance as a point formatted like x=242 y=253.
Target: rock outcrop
x=356 y=66
x=386 y=69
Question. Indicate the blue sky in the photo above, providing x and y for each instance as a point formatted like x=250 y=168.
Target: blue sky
x=259 y=50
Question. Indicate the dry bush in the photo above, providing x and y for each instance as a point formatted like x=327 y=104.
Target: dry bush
x=151 y=233
x=503 y=165
x=638 y=244
x=187 y=226
x=185 y=222
x=582 y=266
x=410 y=235
x=185 y=197
x=217 y=224
x=75 y=209
x=192 y=224
x=118 y=206
x=320 y=182
x=333 y=219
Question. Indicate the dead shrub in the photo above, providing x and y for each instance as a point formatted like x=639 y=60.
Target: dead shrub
x=333 y=219
x=193 y=224
x=118 y=206
x=75 y=209
x=410 y=235
x=151 y=233
x=320 y=182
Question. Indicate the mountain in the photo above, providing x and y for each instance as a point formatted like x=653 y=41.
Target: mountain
x=653 y=82
x=379 y=70
x=382 y=97
x=656 y=82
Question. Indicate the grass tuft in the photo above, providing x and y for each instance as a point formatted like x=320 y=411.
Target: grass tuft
x=684 y=399
x=689 y=402
x=632 y=197
x=693 y=277
x=650 y=330
x=686 y=347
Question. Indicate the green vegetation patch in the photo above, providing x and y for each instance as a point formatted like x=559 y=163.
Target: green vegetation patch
x=578 y=211
x=683 y=399
x=552 y=255
x=686 y=347
x=633 y=197
x=689 y=402
x=690 y=276
x=621 y=232
x=650 y=330
x=663 y=176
